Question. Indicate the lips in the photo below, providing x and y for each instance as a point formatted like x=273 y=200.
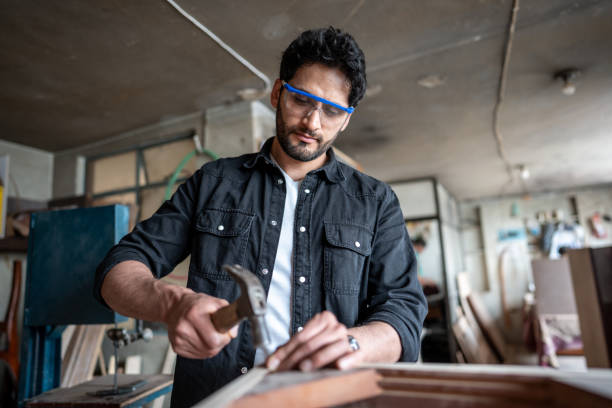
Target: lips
x=305 y=138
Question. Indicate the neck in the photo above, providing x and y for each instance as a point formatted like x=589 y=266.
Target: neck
x=296 y=169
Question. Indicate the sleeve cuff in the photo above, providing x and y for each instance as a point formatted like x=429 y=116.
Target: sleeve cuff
x=410 y=341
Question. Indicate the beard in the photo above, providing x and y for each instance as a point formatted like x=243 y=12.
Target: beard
x=300 y=150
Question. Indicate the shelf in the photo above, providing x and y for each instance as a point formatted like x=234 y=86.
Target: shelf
x=14 y=244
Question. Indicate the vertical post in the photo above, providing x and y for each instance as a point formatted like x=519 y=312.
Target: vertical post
x=452 y=346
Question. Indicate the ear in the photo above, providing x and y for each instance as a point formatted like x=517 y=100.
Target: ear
x=275 y=95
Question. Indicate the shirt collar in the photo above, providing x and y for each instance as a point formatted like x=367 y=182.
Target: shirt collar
x=331 y=169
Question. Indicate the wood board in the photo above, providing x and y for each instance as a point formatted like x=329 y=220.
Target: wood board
x=489 y=329
x=82 y=354
x=431 y=385
x=594 y=310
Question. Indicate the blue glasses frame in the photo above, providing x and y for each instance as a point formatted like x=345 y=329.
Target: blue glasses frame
x=350 y=109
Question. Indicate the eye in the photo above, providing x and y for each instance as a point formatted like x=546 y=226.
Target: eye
x=301 y=100
x=332 y=111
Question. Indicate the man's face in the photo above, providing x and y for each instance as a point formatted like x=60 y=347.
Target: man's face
x=307 y=137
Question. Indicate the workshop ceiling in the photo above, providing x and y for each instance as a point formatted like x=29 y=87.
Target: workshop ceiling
x=75 y=72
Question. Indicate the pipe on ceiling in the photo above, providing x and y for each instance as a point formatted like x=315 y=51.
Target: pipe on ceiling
x=230 y=50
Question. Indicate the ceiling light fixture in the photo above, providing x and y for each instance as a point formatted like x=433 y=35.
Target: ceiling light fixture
x=523 y=171
x=568 y=76
x=432 y=81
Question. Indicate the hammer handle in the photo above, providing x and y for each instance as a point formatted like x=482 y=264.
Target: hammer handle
x=226 y=318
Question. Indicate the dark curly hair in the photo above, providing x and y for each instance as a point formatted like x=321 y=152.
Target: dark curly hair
x=331 y=47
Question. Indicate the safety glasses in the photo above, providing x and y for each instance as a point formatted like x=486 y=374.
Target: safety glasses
x=302 y=104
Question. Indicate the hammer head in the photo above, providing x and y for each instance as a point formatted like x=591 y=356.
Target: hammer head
x=251 y=304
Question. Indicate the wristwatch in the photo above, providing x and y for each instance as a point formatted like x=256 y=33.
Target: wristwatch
x=353 y=343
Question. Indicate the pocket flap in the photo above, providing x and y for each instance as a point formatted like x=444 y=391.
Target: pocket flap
x=224 y=222
x=349 y=236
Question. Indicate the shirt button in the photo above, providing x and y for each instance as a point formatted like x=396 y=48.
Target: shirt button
x=279 y=181
x=274 y=223
x=302 y=229
x=302 y=279
x=265 y=271
x=244 y=370
x=299 y=329
x=357 y=244
x=220 y=227
x=307 y=191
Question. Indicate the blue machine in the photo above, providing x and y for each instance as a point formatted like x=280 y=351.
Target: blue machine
x=64 y=249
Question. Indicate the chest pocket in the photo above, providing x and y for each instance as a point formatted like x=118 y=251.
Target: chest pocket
x=347 y=247
x=221 y=238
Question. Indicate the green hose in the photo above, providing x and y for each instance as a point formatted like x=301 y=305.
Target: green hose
x=182 y=164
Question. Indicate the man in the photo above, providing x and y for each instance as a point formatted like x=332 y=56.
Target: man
x=328 y=242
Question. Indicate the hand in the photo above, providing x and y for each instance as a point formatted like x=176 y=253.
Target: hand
x=190 y=329
x=323 y=342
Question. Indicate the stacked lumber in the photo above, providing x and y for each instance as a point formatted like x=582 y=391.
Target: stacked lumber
x=82 y=354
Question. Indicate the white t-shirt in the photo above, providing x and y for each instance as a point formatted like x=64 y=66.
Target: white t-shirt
x=278 y=310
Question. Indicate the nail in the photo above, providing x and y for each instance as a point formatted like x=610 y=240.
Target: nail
x=343 y=364
x=306 y=365
x=273 y=364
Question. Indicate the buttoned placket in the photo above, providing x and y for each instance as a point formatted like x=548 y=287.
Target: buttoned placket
x=274 y=220
x=302 y=285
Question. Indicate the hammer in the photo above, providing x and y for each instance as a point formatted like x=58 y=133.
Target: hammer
x=250 y=305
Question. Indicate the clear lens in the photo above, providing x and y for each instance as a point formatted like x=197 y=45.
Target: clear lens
x=302 y=105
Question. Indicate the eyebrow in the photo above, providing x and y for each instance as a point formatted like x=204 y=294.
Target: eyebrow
x=350 y=109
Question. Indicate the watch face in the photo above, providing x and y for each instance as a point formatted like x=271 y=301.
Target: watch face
x=353 y=343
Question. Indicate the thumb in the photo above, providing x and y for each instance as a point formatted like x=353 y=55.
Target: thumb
x=234 y=332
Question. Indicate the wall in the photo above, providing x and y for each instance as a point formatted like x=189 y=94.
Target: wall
x=481 y=220
x=69 y=174
x=30 y=171
x=30 y=178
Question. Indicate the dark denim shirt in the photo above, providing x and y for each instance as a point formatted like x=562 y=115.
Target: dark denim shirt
x=354 y=253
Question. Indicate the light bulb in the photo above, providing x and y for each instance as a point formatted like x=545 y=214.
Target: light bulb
x=569 y=88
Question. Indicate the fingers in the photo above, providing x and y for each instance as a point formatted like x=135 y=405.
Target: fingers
x=350 y=360
x=191 y=331
x=300 y=343
x=322 y=342
x=325 y=355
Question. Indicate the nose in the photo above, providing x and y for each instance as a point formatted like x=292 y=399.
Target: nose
x=313 y=118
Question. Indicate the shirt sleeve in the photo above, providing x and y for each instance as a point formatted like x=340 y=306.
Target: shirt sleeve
x=395 y=295
x=160 y=242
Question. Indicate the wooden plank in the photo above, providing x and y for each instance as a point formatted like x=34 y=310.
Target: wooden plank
x=66 y=338
x=102 y=364
x=9 y=327
x=589 y=311
x=133 y=364
x=167 y=368
x=534 y=390
x=497 y=386
x=14 y=244
x=236 y=389
x=77 y=396
x=489 y=329
x=320 y=389
x=431 y=385
x=472 y=342
x=82 y=354
x=480 y=351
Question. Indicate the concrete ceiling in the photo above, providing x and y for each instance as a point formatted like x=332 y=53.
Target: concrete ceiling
x=75 y=72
